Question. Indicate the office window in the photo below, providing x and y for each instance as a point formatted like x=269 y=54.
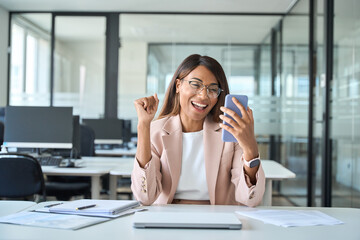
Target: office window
x=30 y=60
x=79 y=71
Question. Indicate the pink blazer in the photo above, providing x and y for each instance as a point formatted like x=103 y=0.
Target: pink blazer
x=226 y=180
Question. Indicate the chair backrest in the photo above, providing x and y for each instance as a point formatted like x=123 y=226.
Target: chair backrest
x=20 y=176
x=1 y=133
x=87 y=140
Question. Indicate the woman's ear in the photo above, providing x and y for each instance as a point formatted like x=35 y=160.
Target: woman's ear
x=178 y=83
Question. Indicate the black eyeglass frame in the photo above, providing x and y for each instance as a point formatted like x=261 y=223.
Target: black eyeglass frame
x=202 y=87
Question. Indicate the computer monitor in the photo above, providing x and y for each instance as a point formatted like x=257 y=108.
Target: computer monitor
x=38 y=127
x=76 y=141
x=107 y=131
x=2 y=114
x=126 y=131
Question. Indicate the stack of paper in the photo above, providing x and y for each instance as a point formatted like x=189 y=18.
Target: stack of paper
x=291 y=218
x=99 y=208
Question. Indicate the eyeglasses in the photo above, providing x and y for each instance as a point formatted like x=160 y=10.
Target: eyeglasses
x=213 y=91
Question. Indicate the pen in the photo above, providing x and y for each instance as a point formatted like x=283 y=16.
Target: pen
x=84 y=207
x=52 y=205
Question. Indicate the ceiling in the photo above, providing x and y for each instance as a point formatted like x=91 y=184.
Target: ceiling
x=165 y=28
x=238 y=6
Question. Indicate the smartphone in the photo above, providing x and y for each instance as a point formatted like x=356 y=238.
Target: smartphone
x=243 y=99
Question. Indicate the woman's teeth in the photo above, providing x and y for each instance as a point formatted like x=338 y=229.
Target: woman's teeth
x=199 y=105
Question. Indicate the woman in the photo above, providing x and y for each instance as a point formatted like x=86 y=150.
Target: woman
x=181 y=158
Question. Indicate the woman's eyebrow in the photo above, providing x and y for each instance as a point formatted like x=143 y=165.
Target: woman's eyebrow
x=197 y=79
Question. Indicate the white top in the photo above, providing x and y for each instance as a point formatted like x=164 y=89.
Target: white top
x=192 y=183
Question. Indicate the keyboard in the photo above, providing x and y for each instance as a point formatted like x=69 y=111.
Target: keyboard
x=49 y=160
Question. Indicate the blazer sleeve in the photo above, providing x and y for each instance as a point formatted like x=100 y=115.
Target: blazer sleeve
x=246 y=193
x=146 y=182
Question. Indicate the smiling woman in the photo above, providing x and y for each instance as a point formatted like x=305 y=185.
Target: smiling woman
x=181 y=158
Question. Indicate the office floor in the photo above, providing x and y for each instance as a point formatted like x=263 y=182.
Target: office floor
x=293 y=193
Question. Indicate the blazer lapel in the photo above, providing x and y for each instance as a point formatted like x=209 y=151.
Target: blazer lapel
x=173 y=137
x=213 y=146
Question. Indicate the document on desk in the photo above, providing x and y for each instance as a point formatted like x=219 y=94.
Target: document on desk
x=291 y=218
x=98 y=208
x=61 y=221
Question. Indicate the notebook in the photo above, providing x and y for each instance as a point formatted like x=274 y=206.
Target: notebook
x=94 y=207
x=186 y=220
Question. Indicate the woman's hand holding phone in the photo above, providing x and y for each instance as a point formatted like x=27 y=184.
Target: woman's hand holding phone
x=238 y=121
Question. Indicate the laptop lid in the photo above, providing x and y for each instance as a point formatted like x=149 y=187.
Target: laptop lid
x=186 y=220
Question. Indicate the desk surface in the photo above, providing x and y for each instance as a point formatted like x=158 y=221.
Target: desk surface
x=121 y=228
x=116 y=152
x=9 y=207
x=119 y=166
x=272 y=169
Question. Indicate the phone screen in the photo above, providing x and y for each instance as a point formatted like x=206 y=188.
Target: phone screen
x=243 y=99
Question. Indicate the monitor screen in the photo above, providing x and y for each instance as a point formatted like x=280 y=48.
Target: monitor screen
x=76 y=141
x=126 y=131
x=107 y=131
x=2 y=114
x=38 y=127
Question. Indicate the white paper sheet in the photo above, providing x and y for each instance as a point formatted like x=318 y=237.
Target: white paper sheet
x=291 y=218
x=49 y=220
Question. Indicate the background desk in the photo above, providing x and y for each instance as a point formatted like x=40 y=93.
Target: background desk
x=117 y=152
x=94 y=168
x=122 y=167
x=273 y=171
x=121 y=228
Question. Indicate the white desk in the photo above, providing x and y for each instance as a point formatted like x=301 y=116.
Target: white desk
x=9 y=207
x=94 y=168
x=116 y=152
x=122 y=167
x=273 y=171
x=121 y=228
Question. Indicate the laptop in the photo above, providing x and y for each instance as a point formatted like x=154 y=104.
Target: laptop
x=206 y=220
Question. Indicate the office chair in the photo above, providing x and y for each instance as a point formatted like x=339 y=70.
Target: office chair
x=88 y=149
x=20 y=177
x=87 y=141
x=1 y=133
x=65 y=187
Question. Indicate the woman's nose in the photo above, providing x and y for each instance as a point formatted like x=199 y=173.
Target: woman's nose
x=203 y=92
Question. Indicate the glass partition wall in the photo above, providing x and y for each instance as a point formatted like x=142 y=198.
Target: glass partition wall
x=264 y=57
x=294 y=100
x=345 y=105
x=153 y=45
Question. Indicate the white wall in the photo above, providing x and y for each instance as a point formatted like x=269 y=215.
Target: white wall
x=4 y=25
x=132 y=78
x=132 y=67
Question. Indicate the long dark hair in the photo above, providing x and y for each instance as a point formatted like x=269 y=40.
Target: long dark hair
x=171 y=104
